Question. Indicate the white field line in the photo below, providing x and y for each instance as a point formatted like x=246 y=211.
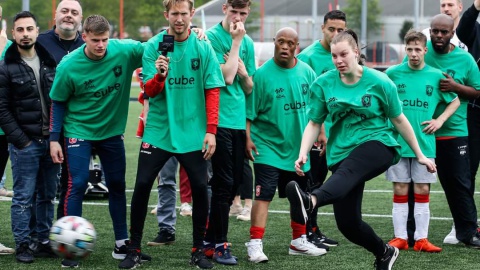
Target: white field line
x=366 y=191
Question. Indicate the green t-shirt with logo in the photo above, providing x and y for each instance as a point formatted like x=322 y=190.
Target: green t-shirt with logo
x=177 y=120
x=419 y=93
x=462 y=67
x=232 y=97
x=360 y=112
x=9 y=42
x=97 y=92
x=319 y=59
x=277 y=109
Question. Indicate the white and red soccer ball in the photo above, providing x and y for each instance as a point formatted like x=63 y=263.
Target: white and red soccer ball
x=72 y=237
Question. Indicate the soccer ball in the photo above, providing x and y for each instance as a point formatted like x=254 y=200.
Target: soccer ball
x=72 y=237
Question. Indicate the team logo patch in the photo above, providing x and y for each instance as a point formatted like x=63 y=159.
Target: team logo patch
x=72 y=140
x=429 y=90
x=195 y=63
x=367 y=100
x=145 y=145
x=257 y=190
x=451 y=72
x=117 y=71
x=304 y=89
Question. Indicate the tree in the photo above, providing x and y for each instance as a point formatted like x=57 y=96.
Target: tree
x=407 y=25
x=354 y=15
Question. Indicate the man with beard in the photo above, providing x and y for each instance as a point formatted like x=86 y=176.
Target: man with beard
x=463 y=78
x=26 y=76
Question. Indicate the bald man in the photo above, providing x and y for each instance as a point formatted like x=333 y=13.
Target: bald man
x=277 y=105
x=463 y=78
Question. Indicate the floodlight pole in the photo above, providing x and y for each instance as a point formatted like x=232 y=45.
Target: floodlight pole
x=416 y=14
x=26 y=5
x=363 y=39
x=314 y=20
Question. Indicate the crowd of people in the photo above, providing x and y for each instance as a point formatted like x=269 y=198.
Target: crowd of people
x=65 y=93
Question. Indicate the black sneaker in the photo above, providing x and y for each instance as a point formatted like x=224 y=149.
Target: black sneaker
x=313 y=238
x=386 y=261
x=300 y=203
x=164 y=237
x=24 y=254
x=474 y=242
x=120 y=253
x=44 y=251
x=132 y=259
x=69 y=263
x=200 y=260
x=325 y=240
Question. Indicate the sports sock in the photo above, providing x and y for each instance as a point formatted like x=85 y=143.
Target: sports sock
x=256 y=232
x=421 y=213
x=297 y=229
x=400 y=216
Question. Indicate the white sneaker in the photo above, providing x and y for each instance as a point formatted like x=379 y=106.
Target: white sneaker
x=255 y=251
x=154 y=211
x=301 y=246
x=5 y=193
x=451 y=238
x=235 y=210
x=185 y=210
x=245 y=215
x=6 y=250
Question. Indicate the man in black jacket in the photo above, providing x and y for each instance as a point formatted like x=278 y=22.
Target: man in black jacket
x=26 y=76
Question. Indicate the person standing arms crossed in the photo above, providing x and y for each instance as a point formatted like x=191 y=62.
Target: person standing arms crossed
x=91 y=81
x=27 y=73
x=361 y=102
x=182 y=122
x=318 y=56
x=419 y=90
x=229 y=41
x=276 y=116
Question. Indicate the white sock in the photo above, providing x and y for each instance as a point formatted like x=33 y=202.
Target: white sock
x=400 y=217
x=120 y=243
x=422 y=220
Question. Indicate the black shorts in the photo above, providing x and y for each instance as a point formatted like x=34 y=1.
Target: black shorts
x=267 y=178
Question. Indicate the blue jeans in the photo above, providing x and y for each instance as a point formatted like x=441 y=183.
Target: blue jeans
x=167 y=196
x=33 y=170
x=111 y=152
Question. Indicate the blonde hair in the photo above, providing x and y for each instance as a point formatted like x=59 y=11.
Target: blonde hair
x=168 y=4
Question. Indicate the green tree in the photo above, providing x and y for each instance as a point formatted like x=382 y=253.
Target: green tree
x=407 y=25
x=354 y=16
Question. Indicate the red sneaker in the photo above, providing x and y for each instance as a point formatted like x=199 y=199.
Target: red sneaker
x=425 y=246
x=399 y=243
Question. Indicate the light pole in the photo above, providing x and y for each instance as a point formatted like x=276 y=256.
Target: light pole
x=26 y=5
x=121 y=19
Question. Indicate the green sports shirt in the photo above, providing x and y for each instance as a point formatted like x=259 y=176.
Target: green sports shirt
x=232 y=97
x=420 y=95
x=277 y=109
x=97 y=92
x=360 y=112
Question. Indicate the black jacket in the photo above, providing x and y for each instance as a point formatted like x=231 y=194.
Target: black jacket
x=20 y=106
x=468 y=31
x=51 y=41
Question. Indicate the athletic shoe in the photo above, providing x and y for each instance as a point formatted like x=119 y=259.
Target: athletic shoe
x=208 y=249
x=313 y=238
x=300 y=203
x=325 y=240
x=386 y=261
x=399 y=243
x=120 y=253
x=24 y=254
x=5 y=193
x=451 y=238
x=199 y=260
x=301 y=246
x=44 y=251
x=223 y=255
x=6 y=250
x=185 y=210
x=474 y=242
x=132 y=260
x=245 y=215
x=235 y=210
x=425 y=246
x=154 y=211
x=164 y=237
x=255 y=251
x=69 y=264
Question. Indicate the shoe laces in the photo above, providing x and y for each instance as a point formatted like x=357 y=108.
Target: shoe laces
x=255 y=247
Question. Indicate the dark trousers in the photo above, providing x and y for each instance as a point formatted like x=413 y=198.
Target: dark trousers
x=3 y=154
x=227 y=165
x=150 y=160
x=245 y=190
x=63 y=184
x=453 y=168
x=344 y=189
x=473 y=122
x=318 y=173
